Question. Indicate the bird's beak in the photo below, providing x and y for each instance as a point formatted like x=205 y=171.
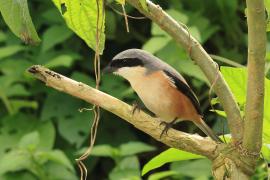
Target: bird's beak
x=108 y=69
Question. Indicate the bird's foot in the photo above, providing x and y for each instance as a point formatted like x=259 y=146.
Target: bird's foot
x=167 y=126
x=135 y=107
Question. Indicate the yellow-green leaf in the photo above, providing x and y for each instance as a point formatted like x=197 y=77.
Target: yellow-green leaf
x=237 y=80
x=82 y=17
x=169 y=155
x=121 y=2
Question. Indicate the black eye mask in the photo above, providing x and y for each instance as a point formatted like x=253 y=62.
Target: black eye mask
x=126 y=62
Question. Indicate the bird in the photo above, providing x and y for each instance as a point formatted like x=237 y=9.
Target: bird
x=162 y=89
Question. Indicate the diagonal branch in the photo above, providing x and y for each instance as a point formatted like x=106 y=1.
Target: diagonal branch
x=177 y=139
x=256 y=63
x=204 y=61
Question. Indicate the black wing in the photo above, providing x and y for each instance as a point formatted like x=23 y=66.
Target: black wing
x=185 y=89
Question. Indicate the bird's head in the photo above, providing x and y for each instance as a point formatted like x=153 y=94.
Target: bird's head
x=130 y=63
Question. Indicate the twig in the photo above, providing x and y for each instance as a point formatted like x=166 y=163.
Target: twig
x=125 y=17
x=226 y=61
x=200 y=56
x=177 y=139
x=256 y=64
x=120 y=13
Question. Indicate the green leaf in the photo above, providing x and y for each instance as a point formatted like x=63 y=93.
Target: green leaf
x=156 y=43
x=73 y=125
x=61 y=60
x=237 y=80
x=127 y=168
x=161 y=175
x=267 y=7
x=55 y=156
x=47 y=135
x=30 y=141
x=17 y=90
x=194 y=169
x=266 y=151
x=54 y=35
x=56 y=171
x=121 y=2
x=104 y=150
x=21 y=175
x=81 y=17
x=14 y=127
x=167 y=156
x=178 y=15
x=19 y=104
x=17 y=17
x=14 y=67
x=2 y=36
x=10 y=50
x=14 y=161
x=132 y=148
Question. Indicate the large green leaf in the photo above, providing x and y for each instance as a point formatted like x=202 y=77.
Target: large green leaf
x=82 y=17
x=237 y=80
x=167 y=156
x=17 y=17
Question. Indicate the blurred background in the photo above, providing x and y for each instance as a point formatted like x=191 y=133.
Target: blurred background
x=41 y=130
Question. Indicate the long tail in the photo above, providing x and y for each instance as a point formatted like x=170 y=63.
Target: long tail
x=207 y=130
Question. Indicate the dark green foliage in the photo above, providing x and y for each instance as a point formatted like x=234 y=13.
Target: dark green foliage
x=42 y=131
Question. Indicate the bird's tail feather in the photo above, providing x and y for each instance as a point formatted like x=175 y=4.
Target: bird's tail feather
x=208 y=131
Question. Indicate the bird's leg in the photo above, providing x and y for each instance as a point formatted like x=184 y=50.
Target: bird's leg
x=167 y=126
x=135 y=107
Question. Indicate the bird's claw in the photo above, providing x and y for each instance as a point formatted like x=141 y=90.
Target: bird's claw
x=135 y=107
x=166 y=128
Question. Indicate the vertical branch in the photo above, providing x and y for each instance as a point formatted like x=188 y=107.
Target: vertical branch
x=255 y=87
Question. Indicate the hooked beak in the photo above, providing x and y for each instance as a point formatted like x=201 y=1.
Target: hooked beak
x=108 y=69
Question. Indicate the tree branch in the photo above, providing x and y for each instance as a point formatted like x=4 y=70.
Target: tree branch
x=255 y=87
x=200 y=56
x=180 y=140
